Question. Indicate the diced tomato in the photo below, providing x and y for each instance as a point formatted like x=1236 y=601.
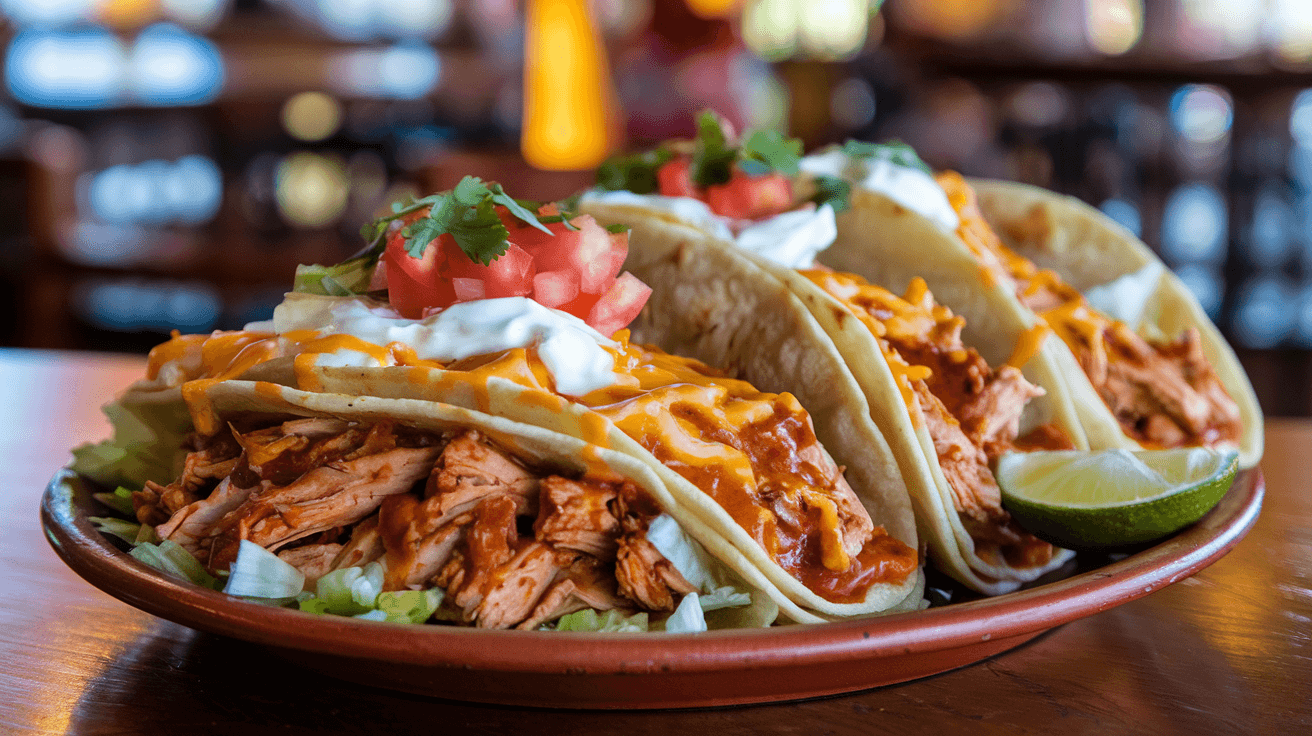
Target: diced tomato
x=378 y=279
x=413 y=283
x=580 y=305
x=583 y=251
x=674 y=179
x=747 y=197
x=619 y=306
x=554 y=288
x=468 y=290
x=511 y=274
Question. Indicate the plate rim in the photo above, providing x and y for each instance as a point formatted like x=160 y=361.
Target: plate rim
x=1027 y=612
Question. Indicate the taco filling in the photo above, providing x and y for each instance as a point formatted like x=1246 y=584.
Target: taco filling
x=1163 y=393
x=755 y=454
x=972 y=412
x=511 y=544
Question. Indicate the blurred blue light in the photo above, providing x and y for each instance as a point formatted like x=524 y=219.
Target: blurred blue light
x=169 y=66
x=1300 y=118
x=1206 y=285
x=1194 y=224
x=1201 y=113
x=133 y=306
x=1126 y=214
x=1271 y=237
x=405 y=71
x=1263 y=317
x=45 y=12
x=158 y=192
x=68 y=69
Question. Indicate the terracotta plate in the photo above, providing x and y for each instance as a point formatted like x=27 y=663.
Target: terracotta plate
x=646 y=670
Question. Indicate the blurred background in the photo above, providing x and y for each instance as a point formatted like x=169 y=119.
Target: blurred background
x=165 y=164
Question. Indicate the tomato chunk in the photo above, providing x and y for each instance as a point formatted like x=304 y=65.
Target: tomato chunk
x=619 y=306
x=554 y=288
x=468 y=290
x=413 y=283
x=674 y=179
x=746 y=197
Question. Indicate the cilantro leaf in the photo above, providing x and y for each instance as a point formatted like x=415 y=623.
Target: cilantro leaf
x=712 y=156
x=500 y=197
x=833 y=191
x=767 y=150
x=895 y=152
x=635 y=173
x=480 y=233
x=618 y=228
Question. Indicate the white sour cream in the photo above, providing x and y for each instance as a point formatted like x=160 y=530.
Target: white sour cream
x=908 y=186
x=1126 y=298
x=791 y=239
x=571 y=350
x=693 y=212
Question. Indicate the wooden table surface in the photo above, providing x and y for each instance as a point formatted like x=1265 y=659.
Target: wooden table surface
x=1226 y=651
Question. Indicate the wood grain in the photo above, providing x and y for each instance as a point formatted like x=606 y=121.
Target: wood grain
x=1226 y=651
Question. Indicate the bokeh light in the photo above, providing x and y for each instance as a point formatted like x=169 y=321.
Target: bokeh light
x=1201 y=113
x=188 y=191
x=852 y=104
x=169 y=66
x=311 y=189
x=404 y=71
x=1263 y=317
x=1271 y=236
x=1124 y=213
x=570 y=115
x=1113 y=27
x=1206 y=284
x=134 y=305
x=311 y=116
x=1194 y=224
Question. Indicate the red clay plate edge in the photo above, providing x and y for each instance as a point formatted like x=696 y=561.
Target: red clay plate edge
x=83 y=549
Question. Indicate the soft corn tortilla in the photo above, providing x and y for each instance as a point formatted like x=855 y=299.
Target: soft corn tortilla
x=781 y=332
x=533 y=443
x=1087 y=249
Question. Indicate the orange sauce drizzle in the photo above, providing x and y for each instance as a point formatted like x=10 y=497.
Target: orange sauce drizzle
x=742 y=447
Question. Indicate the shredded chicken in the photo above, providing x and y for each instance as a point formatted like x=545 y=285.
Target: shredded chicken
x=510 y=546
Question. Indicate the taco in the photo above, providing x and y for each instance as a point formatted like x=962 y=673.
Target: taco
x=510 y=525
x=875 y=370
x=744 y=463
x=1142 y=363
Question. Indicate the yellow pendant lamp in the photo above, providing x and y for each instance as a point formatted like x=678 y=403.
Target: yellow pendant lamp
x=571 y=117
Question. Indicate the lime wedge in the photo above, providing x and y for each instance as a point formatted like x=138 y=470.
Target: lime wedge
x=1113 y=498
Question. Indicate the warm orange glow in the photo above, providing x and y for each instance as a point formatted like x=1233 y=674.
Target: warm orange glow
x=570 y=111
x=714 y=8
x=953 y=19
x=128 y=13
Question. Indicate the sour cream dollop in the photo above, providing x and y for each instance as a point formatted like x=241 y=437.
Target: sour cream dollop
x=690 y=211
x=572 y=352
x=908 y=186
x=791 y=239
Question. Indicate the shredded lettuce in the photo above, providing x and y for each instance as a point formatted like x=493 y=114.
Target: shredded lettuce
x=610 y=621
x=688 y=618
x=170 y=557
x=355 y=591
x=259 y=573
x=147 y=445
x=345 y=279
x=410 y=606
x=349 y=591
x=723 y=597
x=120 y=500
x=129 y=531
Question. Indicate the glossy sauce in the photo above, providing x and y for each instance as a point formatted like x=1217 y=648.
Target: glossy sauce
x=742 y=447
x=1062 y=308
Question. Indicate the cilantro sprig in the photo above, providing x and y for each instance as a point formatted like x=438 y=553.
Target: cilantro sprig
x=714 y=156
x=466 y=213
x=635 y=172
x=894 y=151
x=833 y=191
